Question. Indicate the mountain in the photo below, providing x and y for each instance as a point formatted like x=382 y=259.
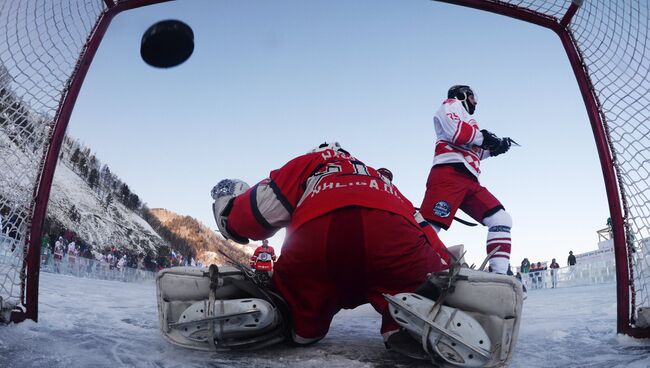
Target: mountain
x=77 y=208
x=189 y=236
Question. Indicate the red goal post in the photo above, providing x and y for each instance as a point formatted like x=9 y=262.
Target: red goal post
x=49 y=45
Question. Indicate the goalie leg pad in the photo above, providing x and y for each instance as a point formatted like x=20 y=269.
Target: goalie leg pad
x=485 y=304
x=226 y=319
x=450 y=334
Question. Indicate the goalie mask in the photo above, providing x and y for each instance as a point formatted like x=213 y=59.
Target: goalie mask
x=223 y=194
x=465 y=95
x=336 y=146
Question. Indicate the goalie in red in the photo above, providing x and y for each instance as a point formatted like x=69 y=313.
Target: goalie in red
x=351 y=236
x=453 y=179
x=263 y=257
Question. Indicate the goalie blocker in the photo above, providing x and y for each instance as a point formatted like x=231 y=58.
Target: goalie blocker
x=474 y=324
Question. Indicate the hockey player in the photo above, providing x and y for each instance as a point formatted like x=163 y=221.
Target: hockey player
x=263 y=257
x=453 y=179
x=351 y=237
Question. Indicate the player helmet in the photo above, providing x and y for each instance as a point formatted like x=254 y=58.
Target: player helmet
x=465 y=95
x=265 y=242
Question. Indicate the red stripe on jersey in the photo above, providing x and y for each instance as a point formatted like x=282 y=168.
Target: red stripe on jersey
x=465 y=133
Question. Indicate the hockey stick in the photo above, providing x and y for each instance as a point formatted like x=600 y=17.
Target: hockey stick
x=465 y=222
x=512 y=142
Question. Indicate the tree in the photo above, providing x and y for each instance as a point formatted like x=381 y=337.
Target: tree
x=83 y=166
x=108 y=200
x=74 y=160
x=93 y=178
x=125 y=193
x=134 y=201
x=73 y=213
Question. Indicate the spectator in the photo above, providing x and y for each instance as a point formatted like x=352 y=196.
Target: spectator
x=572 y=259
x=540 y=275
x=524 y=268
x=58 y=254
x=45 y=250
x=554 y=271
x=72 y=255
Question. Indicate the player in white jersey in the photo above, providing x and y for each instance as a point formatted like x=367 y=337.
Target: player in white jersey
x=453 y=179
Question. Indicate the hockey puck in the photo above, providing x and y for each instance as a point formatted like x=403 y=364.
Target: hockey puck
x=167 y=43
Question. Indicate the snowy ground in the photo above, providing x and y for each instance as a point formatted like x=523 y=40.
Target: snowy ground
x=98 y=323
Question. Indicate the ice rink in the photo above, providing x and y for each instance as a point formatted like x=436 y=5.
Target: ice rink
x=98 y=323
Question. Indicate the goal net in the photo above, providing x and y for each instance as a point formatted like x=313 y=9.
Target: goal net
x=607 y=45
x=47 y=45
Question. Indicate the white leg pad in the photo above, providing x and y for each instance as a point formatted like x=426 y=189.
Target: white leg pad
x=492 y=301
x=189 y=319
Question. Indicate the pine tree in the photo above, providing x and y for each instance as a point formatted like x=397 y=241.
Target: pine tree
x=93 y=179
x=125 y=193
x=108 y=200
x=74 y=159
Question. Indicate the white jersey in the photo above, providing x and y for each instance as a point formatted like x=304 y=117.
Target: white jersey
x=458 y=137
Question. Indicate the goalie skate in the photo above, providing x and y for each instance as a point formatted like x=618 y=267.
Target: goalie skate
x=220 y=313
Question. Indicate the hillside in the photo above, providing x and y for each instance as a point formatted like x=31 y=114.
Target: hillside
x=76 y=207
x=189 y=236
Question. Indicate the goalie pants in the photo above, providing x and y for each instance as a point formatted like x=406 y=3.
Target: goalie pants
x=347 y=258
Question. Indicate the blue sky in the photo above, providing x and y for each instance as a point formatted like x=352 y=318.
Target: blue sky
x=269 y=80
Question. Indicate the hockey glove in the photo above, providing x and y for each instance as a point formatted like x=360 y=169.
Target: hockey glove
x=503 y=147
x=224 y=194
x=490 y=140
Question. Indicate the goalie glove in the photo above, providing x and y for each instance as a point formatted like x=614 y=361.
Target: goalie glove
x=490 y=140
x=224 y=194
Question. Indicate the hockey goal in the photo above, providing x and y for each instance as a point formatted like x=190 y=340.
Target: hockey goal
x=46 y=47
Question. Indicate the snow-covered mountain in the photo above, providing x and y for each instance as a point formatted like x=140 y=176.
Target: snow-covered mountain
x=188 y=235
x=76 y=207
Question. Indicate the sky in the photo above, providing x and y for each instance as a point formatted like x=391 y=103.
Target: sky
x=270 y=80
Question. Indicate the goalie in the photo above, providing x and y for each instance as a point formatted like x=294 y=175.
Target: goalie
x=352 y=239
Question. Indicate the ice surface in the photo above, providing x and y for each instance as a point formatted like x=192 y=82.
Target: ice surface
x=98 y=323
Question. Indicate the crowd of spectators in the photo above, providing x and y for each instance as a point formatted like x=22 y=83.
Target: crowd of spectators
x=535 y=276
x=67 y=253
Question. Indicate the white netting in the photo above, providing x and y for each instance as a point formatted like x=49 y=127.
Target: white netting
x=612 y=37
x=40 y=42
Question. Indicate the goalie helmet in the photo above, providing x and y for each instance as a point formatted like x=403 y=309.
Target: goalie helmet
x=385 y=173
x=336 y=146
x=465 y=95
x=228 y=187
x=223 y=193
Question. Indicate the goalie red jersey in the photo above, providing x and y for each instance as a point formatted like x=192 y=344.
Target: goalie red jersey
x=312 y=185
x=351 y=237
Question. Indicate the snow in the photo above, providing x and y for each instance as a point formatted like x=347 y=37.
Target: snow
x=115 y=226
x=98 y=323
